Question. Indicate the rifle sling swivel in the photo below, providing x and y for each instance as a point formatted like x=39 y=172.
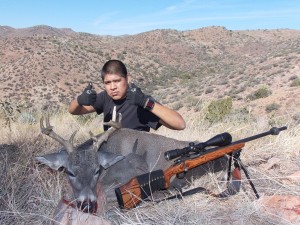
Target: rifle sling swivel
x=185 y=170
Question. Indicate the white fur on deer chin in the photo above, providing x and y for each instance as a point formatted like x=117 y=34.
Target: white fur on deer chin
x=68 y=213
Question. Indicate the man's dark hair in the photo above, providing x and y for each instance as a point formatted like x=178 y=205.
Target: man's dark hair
x=114 y=67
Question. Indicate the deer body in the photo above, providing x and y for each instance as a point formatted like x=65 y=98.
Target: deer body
x=151 y=146
x=115 y=157
x=143 y=151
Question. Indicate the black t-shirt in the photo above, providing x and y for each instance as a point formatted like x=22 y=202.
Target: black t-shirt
x=133 y=116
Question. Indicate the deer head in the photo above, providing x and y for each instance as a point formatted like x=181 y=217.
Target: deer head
x=83 y=164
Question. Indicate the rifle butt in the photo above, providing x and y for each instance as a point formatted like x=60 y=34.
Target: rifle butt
x=138 y=188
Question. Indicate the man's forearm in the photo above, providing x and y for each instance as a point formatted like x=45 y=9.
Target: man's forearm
x=76 y=109
x=169 y=117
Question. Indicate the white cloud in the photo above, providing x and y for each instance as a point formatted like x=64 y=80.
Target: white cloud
x=104 y=18
x=191 y=13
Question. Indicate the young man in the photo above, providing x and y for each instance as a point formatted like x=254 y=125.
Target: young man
x=139 y=111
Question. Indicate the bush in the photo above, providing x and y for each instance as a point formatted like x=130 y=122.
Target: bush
x=295 y=82
x=272 y=107
x=27 y=117
x=209 y=90
x=177 y=106
x=218 y=109
x=68 y=84
x=262 y=92
x=294 y=77
x=191 y=101
x=83 y=119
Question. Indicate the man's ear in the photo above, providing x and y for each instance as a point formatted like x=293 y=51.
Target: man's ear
x=54 y=160
x=107 y=159
x=129 y=78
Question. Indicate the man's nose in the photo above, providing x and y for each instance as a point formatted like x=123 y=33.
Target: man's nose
x=113 y=85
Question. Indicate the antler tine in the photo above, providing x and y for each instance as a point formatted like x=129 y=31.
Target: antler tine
x=120 y=118
x=104 y=137
x=71 y=140
x=41 y=123
x=114 y=114
x=48 y=130
x=47 y=121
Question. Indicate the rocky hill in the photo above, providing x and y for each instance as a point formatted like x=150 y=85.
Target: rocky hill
x=259 y=69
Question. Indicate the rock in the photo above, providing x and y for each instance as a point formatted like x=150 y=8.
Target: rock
x=294 y=177
x=284 y=207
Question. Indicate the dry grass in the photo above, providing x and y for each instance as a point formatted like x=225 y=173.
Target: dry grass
x=29 y=194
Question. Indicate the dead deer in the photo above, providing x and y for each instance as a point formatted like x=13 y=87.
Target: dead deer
x=83 y=164
x=117 y=155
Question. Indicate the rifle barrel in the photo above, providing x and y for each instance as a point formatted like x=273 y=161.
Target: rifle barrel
x=272 y=131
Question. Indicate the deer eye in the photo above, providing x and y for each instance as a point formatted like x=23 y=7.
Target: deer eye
x=97 y=172
x=70 y=173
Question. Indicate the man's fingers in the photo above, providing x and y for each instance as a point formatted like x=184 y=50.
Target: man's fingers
x=90 y=86
x=91 y=92
x=132 y=87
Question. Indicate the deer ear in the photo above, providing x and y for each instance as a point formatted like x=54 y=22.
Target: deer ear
x=54 y=160
x=107 y=159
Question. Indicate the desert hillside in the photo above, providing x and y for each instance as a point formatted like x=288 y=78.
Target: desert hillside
x=259 y=70
x=241 y=82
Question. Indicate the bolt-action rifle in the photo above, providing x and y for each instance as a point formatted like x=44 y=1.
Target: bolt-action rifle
x=141 y=187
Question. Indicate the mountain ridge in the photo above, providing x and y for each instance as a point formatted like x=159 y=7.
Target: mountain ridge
x=44 y=66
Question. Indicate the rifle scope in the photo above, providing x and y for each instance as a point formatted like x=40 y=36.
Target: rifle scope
x=218 y=140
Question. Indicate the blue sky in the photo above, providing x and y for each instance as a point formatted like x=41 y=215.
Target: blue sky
x=117 y=17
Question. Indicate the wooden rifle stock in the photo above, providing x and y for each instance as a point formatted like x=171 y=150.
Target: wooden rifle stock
x=141 y=187
x=129 y=195
x=192 y=163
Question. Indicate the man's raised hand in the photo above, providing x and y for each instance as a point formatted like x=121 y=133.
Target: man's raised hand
x=88 y=96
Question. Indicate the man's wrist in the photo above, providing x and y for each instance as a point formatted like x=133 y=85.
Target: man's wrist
x=78 y=101
x=149 y=104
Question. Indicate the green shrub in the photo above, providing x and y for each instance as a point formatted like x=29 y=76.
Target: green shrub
x=68 y=84
x=191 y=101
x=295 y=82
x=294 y=77
x=177 y=106
x=218 y=109
x=209 y=90
x=272 y=107
x=27 y=117
x=262 y=92
x=83 y=119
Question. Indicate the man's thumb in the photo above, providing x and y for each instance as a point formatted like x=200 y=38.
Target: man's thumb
x=132 y=87
x=90 y=86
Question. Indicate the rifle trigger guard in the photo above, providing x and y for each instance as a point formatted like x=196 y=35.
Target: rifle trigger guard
x=181 y=175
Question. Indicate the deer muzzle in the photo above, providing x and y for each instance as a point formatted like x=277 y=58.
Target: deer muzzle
x=87 y=206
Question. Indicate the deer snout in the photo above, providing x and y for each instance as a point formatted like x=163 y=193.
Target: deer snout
x=87 y=201
x=87 y=206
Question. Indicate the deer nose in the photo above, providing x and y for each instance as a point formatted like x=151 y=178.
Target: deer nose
x=87 y=206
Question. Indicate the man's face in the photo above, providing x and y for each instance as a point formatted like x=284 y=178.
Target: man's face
x=115 y=86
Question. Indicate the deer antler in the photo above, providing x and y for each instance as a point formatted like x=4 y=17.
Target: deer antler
x=48 y=130
x=115 y=125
